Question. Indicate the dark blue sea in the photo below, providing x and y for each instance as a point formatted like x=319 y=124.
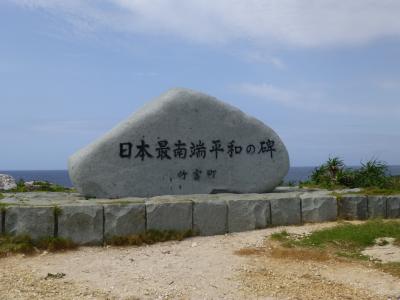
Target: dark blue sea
x=61 y=177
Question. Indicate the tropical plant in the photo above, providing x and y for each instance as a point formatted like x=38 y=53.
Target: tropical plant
x=334 y=166
x=372 y=173
x=334 y=174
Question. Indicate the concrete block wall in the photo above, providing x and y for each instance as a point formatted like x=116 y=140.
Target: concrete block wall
x=96 y=222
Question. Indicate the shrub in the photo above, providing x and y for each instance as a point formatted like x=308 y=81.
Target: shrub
x=334 y=174
x=372 y=174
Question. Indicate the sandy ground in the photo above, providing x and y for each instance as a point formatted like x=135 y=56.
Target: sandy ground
x=196 y=268
x=384 y=252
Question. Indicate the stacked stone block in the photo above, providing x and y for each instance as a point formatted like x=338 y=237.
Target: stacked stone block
x=93 y=222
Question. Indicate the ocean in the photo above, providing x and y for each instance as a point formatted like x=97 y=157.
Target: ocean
x=61 y=177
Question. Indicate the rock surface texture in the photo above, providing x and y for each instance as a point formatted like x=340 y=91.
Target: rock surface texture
x=318 y=207
x=183 y=142
x=36 y=222
x=124 y=219
x=353 y=207
x=7 y=182
x=94 y=221
x=82 y=224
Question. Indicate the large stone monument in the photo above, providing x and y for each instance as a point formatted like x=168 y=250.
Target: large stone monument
x=183 y=142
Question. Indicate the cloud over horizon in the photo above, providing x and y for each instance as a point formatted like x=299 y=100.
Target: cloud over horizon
x=315 y=100
x=305 y=24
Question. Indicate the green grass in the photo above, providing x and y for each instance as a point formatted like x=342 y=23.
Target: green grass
x=1 y=196
x=348 y=240
x=280 y=236
x=379 y=191
x=24 y=244
x=3 y=206
x=150 y=237
x=40 y=186
x=349 y=236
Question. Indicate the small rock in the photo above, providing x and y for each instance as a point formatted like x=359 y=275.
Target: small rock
x=55 y=276
x=7 y=182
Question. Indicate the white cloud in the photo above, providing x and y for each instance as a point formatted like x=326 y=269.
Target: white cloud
x=301 y=23
x=258 y=57
x=314 y=100
x=272 y=93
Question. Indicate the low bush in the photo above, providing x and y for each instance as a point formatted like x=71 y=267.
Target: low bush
x=371 y=175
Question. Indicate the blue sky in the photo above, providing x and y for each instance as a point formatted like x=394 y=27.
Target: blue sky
x=325 y=75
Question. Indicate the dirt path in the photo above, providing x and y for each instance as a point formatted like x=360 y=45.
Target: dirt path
x=197 y=268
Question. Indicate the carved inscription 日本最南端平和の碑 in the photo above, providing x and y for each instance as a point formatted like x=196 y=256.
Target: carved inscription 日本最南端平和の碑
x=163 y=150
x=199 y=149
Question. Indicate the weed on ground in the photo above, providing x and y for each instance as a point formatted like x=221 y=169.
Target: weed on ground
x=24 y=244
x=150 y=237
x=343 y=241
x=348 y=236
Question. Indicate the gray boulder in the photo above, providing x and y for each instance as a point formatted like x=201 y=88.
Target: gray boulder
x=7 y=182
x=184 y=142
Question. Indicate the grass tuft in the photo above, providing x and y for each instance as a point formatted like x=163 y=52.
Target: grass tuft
x=55 y=244
x=24 y=244
x=57 y=210
x=17 y=244
x=280 y=236
x=150 y=237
